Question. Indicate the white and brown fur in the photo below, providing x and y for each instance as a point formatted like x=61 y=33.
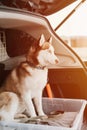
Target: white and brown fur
x=26 y=82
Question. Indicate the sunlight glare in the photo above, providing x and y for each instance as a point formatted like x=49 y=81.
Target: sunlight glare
x=75 y=25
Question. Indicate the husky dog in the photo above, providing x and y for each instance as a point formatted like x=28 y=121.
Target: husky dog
x=23 y=87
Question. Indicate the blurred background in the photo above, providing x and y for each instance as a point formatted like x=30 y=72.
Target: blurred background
x=74 y=29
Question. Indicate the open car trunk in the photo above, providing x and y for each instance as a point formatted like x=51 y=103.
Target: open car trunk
x=19 y=29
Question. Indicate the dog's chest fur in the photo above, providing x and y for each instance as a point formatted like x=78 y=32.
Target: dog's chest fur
x=36 y=80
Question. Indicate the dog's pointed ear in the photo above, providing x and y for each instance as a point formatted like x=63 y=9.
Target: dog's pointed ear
x=50 y=40
x=32 y=49
x=42 y=40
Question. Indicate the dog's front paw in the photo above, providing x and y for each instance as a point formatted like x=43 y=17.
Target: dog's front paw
x=17 y=116
x=42 y=117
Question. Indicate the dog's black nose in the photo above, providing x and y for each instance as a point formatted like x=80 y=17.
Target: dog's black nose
x=56 y=61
